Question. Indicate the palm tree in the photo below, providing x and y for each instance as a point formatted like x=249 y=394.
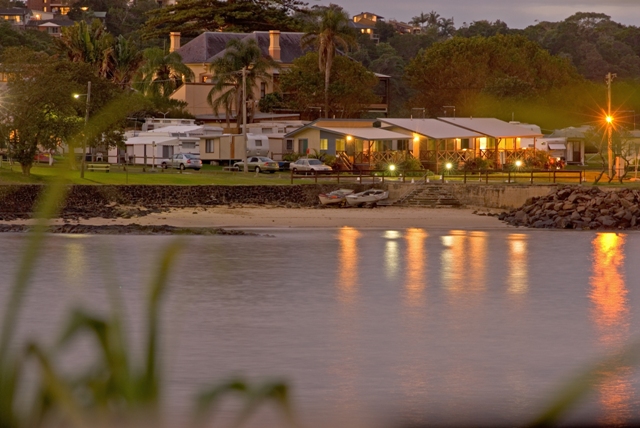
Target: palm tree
x=227 y=72
x=161 y=73
x=329 y=31
x=91 y=44
x=126 y=60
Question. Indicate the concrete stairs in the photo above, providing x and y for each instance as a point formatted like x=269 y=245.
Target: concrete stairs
x=429 y=195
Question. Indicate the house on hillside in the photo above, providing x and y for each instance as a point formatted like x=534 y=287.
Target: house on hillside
x=365 y=23
x=52 y=27
x=283 y=47
x=61 y=7
x=574 y=144
x=16 y=16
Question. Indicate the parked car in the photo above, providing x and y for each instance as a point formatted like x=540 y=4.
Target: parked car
x=183 y=161
x=259 y=164
x=41 y=157
x=310 y=165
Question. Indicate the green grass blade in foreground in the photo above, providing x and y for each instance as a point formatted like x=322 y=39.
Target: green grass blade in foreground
x=150 y=381
x=58 y=389
x=585 y=382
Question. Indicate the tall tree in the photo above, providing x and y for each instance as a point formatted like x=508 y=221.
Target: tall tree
x=161 y=73
x=227 y=71
x=88 y=43
x=351 y=90
x=328 y=32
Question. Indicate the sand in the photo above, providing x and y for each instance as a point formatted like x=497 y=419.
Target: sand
x=244 y=217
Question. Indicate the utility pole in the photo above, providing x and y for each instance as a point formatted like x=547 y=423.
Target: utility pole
x=86 y=130
x=609 y=78
x=245 y=165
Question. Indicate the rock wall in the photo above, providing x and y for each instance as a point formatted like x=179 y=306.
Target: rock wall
x=17 y=201
x=498 y=196
x=577 y=207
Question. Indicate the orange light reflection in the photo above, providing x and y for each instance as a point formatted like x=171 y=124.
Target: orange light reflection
x=518 y=264
x=416 y=266
x=348 y=271
x=610 y=314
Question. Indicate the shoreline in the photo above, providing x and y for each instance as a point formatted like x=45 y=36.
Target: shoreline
x=246 y=217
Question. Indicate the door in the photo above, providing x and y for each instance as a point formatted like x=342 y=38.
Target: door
x=303 y=145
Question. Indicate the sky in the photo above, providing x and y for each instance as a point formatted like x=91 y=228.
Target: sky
x=516 y=13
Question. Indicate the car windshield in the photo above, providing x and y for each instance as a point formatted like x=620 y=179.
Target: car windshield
x=314 y=162
x=190 y=156
x=265 y=160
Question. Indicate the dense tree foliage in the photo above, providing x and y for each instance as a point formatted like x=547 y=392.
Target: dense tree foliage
x=191 y=17
x=123 y=17
x=351 y=89
x=33 y=40
x=455 y=72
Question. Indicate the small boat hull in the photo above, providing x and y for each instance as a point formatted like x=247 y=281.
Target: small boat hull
x=334 y=198
x=370 y=196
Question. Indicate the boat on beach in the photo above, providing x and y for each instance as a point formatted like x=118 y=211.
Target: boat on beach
x=370 y=196
x=335 y=197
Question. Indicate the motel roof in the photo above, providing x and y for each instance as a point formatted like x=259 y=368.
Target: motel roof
x=432 y=128
x=492 y=127
x=363 y=133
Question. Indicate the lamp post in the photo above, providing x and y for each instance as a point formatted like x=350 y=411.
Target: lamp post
x=609 y=119
x=245 y=166
x=86 y=122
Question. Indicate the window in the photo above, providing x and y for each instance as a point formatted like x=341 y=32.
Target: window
x=188 y=145
x=263 y=89
x=464 y=143
x=258 y=143
x=167 y=152
x=340 y=145
x=324 y=144
x=289 y=144
x=208 y=146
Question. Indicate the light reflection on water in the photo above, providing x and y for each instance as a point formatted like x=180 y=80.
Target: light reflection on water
x=416 y=325
x=611 y=317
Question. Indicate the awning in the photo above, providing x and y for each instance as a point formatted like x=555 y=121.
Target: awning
x=171 y=141
x=557 y=146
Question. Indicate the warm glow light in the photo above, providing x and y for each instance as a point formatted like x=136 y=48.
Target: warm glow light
x=349 y=138
x=76 y=95
x=416 y=138
x=518 y=163
x=392 y=167
x=609 y=119
x=448 y=165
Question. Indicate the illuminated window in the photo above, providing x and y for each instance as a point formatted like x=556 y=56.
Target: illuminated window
x=340 y=145
x=324 y=144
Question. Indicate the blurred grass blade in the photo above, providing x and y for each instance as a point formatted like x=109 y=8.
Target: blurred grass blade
x=151 y=378
x=207 y=401
x=59 y=390
x=585 y=382
x=273 y=391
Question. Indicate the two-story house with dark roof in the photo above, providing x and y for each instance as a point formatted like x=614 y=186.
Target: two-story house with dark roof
x=283 y=47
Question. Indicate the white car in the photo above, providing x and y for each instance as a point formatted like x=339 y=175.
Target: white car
x=310 y=165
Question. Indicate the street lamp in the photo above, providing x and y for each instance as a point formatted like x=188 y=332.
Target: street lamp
x=86 y=122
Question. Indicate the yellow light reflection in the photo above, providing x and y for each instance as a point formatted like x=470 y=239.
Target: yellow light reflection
x=452 y=260
x=348 y=276
x=75 y=263
x=477 y=260
x=416 y=266
x=610 y=314
x=518 y=280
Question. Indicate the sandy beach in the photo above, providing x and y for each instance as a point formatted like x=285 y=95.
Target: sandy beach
x=244 y=217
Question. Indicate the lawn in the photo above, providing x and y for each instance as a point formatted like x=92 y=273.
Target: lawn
x=134 y=175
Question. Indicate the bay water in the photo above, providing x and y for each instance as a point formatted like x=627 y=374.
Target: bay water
x=369 y=327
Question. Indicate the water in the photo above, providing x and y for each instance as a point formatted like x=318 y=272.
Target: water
x=369 y=327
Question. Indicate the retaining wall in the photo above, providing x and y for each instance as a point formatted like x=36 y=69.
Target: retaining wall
x=496 y=195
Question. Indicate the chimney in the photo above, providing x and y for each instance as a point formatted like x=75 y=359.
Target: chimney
x=174 y=38
x=274 y=45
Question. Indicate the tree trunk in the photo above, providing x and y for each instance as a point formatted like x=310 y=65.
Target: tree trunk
x=327 y=75
x=26 y=169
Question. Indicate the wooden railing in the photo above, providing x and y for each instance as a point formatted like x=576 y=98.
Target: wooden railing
x=389 y=156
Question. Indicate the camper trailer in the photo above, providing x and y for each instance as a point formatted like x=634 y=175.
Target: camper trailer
x=226 y=149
